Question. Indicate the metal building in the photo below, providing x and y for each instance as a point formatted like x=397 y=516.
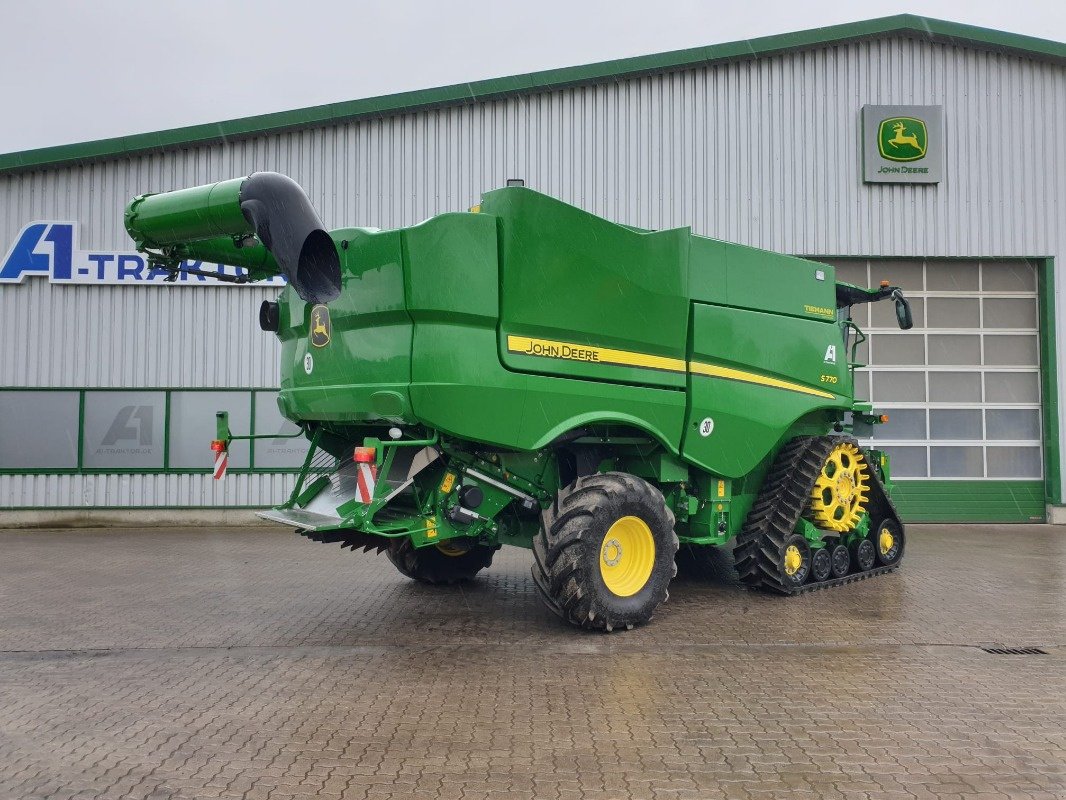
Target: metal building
x=924 y=152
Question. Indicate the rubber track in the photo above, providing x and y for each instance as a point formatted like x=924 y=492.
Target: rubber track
x=783 y=498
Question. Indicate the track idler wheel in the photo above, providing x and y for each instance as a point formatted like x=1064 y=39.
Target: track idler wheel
x=864 y=554
x=795 y=561
x=605 y=553
x=889 y=541
x=841 y=561
x=821 y=565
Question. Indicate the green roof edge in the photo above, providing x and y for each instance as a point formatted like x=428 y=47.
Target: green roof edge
x=317 y=116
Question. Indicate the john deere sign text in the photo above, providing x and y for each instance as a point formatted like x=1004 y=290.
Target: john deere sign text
x=903 y=144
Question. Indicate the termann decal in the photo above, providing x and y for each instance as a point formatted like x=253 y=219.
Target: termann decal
x=48 y=248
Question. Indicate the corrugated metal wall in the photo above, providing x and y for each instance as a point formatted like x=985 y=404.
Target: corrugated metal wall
x=763 y=152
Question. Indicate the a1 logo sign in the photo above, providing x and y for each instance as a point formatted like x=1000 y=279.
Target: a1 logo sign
x=706 y=427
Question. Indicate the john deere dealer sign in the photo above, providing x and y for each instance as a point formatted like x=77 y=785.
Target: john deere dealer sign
x=903 y=144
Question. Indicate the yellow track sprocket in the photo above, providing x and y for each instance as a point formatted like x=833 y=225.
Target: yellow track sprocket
x=840 y=494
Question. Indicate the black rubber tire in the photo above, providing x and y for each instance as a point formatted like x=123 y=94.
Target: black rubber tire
x=895 y=555
x=821 y=565
x=864 y=554
x=566 y=551
x=430 y=565
x=799 y=577
x=841 y=559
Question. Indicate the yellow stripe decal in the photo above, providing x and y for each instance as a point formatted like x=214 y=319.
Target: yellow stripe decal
x=568 y=351
x=715 y=371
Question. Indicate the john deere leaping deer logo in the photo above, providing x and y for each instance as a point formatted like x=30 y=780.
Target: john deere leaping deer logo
x=902 y=139
x=320 y=326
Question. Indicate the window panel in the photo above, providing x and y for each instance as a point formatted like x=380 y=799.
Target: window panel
x=860 y=315
x=1012 y=387
x=956 y=462
x=1010 y=312
x=907 y=462
x=891 y=349
x=192 y=427
x=950 y=423
x=276 y=453
x=851 y=271
x=955 y=387
x=894 y=387
x=38 y=430
x=862 y=384
x=905 y=274
x=954 y=312
x=961 y=349
x=124 y=430
x=1011 y=351
x=952 y=276
x=1013 y=423
x=1014 y=462
x=903 y=423
x=1008 y=276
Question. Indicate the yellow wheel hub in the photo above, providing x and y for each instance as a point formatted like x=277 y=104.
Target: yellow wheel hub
x=452 y=550
x=839 y=497
x=885 y=541
x=793 y=560
x=627 y=555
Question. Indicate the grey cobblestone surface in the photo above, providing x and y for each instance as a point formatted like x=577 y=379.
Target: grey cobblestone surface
x=184 y=664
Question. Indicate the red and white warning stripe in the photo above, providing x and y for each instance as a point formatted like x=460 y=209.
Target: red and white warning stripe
x=365 y=482
x=366 y=474
x=221 y=459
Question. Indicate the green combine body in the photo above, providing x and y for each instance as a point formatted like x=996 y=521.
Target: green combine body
x=527 y=373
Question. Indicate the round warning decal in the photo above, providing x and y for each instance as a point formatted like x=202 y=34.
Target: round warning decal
x=707 y=426
x=309 y=363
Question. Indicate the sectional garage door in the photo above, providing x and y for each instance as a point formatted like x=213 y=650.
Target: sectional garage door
x=962 y=388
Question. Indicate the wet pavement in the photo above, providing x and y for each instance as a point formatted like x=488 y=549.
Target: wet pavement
x=180 y=663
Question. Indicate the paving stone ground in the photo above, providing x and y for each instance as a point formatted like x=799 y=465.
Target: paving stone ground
x=196 y=663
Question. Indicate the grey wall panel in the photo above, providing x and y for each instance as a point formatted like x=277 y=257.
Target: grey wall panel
x=103 y=491
x=764 y=152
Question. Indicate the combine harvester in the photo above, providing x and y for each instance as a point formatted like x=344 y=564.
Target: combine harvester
x=529 y=374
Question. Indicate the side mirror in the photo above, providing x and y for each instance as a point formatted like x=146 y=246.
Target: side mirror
x=903 y=311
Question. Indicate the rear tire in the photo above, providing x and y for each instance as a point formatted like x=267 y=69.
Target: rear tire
x=605 y=552
x=437 y=566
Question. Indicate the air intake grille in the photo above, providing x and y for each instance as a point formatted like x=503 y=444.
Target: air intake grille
x=1015 y=651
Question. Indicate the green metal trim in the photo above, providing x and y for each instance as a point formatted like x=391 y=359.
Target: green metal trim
x=1049 y=381
x=81 y=430
x=970 y=501
x=166 y=429
x=941 y=31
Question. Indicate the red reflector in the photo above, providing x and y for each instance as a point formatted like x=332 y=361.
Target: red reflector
x=218 y=446
x=365 y=455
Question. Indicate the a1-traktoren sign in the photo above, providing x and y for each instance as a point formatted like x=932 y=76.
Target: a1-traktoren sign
x=903 y=144
x=48 y=248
